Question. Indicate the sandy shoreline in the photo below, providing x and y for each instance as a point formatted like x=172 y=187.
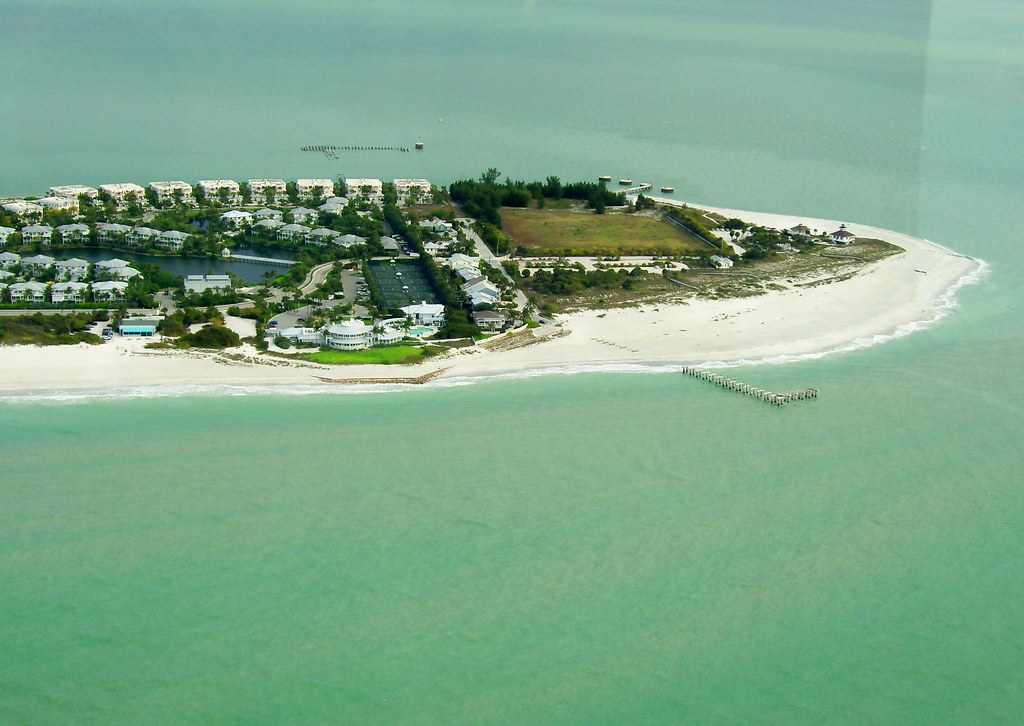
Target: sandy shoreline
x=891 y=298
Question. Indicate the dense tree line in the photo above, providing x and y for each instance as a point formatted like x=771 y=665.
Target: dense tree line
x=572 y=280
x=39 y=329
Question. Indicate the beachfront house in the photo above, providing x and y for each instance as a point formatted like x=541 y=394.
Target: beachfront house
x=9 y=260
x=111 y=232
x=5 y=232
x=73 y=269
x=348 y=240
x=201 y=283
x=800 y=230
x=36 y=264
x=59 y=204
x=369 y=190
x=262 y=189
x=314 y=188
x=321 y=236
x=720 y=261
x=172 y=192
x=236 y=219
x=37 y=234
x=348 y=335
x=23 y=210
x=73 y=234
x=292 y=232
x=412 y=191
x=491 y=319
x=425 y=313
x=842 y=236
x=28 y=292
x=140 y=236
x=109 y=290
x=303 y=215
x=172 y=239
x=68 y=292
x=267 y=227
x=123 y=194
x=75 y=191
x=138 y=327
x=223 y=191
x=307 y=336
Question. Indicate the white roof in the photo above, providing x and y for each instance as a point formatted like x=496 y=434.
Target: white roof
x=6 y=230
x=324 y=232
x=37 y=229
x=126 y=272
x=273 y=223
x=235 y=214
x=423 y=308
x=72 y=262
x=20 y=206
x=217 y=183
x=38 y=260
x=34 y=286
x=112 y=264
x=112 y=227
x=174 y=234
x=72 y=190
x=349 y=327
x=110 y=285
x=59 y=286
x=73 y=227
x=294 y=228
x=121 y=188
x=146 y=231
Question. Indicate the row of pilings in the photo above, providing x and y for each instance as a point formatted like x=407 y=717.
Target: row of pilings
x=776 y=399
x=326 y=148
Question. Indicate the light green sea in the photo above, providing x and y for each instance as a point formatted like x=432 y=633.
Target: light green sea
x=592 y=548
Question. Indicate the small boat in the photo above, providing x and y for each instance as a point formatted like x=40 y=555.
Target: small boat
x=668 y=190
x=625 y=182
x=419 y=145
x=604 y=178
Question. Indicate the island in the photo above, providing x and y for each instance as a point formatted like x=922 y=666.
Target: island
x=360 y=281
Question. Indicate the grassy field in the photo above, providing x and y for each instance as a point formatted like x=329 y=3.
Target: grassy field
x=387 y=355
x=565 y=232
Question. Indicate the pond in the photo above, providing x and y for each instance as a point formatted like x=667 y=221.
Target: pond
x=248 y=271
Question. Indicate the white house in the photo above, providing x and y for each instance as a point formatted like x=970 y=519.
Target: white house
x=490 y=319
x=37 y=233
x=260 y=187
x=268 y=226
x=73 y=269
x=334 y=205
x=439 y=226
x=59 y=204
x=125 y=273
x=480 y=290
x=109 y=290
x=425 y=313
x=219 y=190
x=292 y=232
x=719 y=261
x=321 y=236
x=842 y=236
x=76 y=233
x=459 y=260
x=9 y=260
x=310 y=188
x=172 y=191
x=236 y=219
x=5 y=232
x=311 y=336
x=74 y=190
x=172 y=239
x=35 y=264
x=111 y=265
x=347 y=240
x=412 y=190
x=303 y=215
x=32 y=292
x=349 y=335
x=124 y=193
x=202 y=283
x=433 y=248
x=111 y=232
x=139 y=236
x=71 y=292
x=23 y=209
x=800 y=230
x=370 y=190
x=267 y=213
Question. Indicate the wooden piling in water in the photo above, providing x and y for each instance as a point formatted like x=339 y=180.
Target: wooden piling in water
x=776 y=399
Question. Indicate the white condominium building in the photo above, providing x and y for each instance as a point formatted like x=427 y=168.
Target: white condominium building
x=74 y=191
x=124 y=193
x=172 y=191
x=368 y=189
x=217 y=189
x=314 y=187
x=259 y=187
x=420 y=188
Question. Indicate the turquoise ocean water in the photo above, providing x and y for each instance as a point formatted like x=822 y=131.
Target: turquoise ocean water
x=594 y=548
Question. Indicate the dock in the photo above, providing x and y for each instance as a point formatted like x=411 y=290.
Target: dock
x=776 y=399
x=259 y=260
x=637 y=189
x=331 y=150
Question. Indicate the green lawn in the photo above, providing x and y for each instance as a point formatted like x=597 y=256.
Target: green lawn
x=386 y=355
x=564 y=232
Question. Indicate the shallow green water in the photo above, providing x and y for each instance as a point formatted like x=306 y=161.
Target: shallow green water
x=598 y=548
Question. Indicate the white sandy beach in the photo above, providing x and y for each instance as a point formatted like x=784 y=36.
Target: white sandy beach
x=895 y=296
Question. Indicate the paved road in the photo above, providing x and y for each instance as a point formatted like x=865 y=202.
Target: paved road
x=485 y=254
x=315 y=278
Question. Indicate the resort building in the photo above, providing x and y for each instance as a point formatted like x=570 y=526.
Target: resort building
x=292 y=232
x=267 y=213
x=720 y=262
x=74 y=191
x=172 y=239
x=314 y=188
x=369 y=190
x=140 y=236
x=410 y=191
x=123 y=194
x=303 y=215
x=425 y=313
x=73 y=269
x=9 y=260
x=36 y=264
x=268 y=227
x=111 y=232
x=22 y=209
x=109 y=290
x=202 y=283
x=491 y=319
x=321 y=236
x=236 y=219
x=68 y=292
x=138 y=327
x=37 y=234
x=59 y=204
x=29 y=292
x=842 y=236
x=220 y=190
x=349 y=335
x=73 y=234
x=348 y=240
x=260 y=188
x=800 y=230
x=173 y=192
x=5 y=232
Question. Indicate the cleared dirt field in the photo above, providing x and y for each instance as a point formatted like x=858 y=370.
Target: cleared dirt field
x=566 y=232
